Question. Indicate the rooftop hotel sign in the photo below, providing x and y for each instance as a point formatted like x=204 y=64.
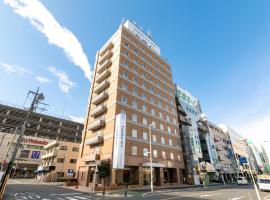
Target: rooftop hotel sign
x=142 y=36
x=119 y=141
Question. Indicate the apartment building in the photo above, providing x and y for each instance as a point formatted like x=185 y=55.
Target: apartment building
x=227 y=162
x=58 y=160
x=131 y=98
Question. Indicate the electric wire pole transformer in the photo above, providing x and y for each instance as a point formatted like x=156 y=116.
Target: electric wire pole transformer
x=37 y=98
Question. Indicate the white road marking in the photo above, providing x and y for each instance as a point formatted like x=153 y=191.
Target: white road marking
x=81 y=197
x=209 y=195
x=71 y=198
x=66 y=194
x=237 y=198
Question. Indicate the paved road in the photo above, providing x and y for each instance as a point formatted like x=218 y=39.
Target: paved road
x=21 y=190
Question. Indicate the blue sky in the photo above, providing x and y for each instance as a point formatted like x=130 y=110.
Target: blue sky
x=218 y=51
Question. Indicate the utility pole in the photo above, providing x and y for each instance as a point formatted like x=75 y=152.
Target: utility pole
x=37 y=98
x=151 y=162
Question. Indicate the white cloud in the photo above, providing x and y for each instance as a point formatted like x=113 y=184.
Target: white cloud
x=256 y=129
x=42 y=79
x=77 y=119
x=57 y=35
x=11 y=69
x=64 y=82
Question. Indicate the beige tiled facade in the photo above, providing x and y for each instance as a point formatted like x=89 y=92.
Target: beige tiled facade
x=131 y=78
x=58 y=159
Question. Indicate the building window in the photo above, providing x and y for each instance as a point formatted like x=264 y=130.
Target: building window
x=145 y=121
x=124 y=86
x=125 y=63
x=170 y=142
x=154 y=124
x=134 y=150
x=73 y=161
x=134 y=118
x=60 y=160
x=126 y=44
x=135 y=79
x=145 y=135
x=76 y=149
x=169 y=130
x=135 y=69
x=145 y=152
x=134 y=104
x=134 y=133
x=135 y=91
x=143 y=75
x=163 y=154
x=63 y=148
x=143 y=85
x=162 y=140
x=155 y=155
x=161 y=127
x=168 y=118
x=172 y=156
x=124 y=99
x=125 y=74
x=153 y=111
x=143 y=95
x=144 y=107
x=160 y=115
x=125 y=53
x=179 y=157
x=154 y=138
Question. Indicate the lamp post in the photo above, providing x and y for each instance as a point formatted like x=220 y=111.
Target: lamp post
x=151 y=163
x=255 y=186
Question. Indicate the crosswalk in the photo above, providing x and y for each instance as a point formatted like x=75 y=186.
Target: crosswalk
x=63 y=196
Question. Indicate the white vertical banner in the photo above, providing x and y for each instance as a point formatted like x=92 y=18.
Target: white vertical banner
x=119 y=141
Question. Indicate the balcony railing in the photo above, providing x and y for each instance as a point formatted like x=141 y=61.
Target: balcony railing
x=96 y=124
x=103 y=76
x=101 y=97
x=98 y=110
x=54 y=143
x=50 y=154
x=104 y=66
x=94 y=140
x=91 y=157
x=106 y=48
x=102 y=86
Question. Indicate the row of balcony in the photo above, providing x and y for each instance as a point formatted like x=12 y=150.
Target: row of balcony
x=96 y=124
x=97 y=139
x=98 y=110
x=50 y=154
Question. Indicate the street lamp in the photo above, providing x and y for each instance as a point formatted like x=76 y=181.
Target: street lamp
x=246 y=154
x=151 y=163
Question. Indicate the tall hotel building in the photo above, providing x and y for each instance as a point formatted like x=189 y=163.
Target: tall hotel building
x=131 y=98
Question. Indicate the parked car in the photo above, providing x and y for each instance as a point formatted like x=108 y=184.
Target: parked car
x=242 y=181
x=264 y=182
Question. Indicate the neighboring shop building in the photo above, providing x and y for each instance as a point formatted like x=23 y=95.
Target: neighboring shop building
x=132 y=92
x=199 y=153
x=28 y=157
x=227 y=162
x=58 y=161
x=40 y=130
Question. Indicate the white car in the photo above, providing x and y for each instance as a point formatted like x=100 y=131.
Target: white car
x=264 y=183
x=242 y=181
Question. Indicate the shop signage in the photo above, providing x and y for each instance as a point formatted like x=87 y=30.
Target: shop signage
x=119 y=141
x=142 y=36
x=24 y=153
x=34 y=141
x=35 y=154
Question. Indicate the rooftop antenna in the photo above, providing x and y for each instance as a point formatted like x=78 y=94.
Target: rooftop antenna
x=149 y=34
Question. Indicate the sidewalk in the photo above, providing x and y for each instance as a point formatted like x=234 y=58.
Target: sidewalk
x=139 y=192
x=32 y=182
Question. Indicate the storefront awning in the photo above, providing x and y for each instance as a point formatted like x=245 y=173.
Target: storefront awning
x=148 y=164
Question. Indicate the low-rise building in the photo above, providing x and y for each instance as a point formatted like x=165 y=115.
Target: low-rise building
x=58 y=161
